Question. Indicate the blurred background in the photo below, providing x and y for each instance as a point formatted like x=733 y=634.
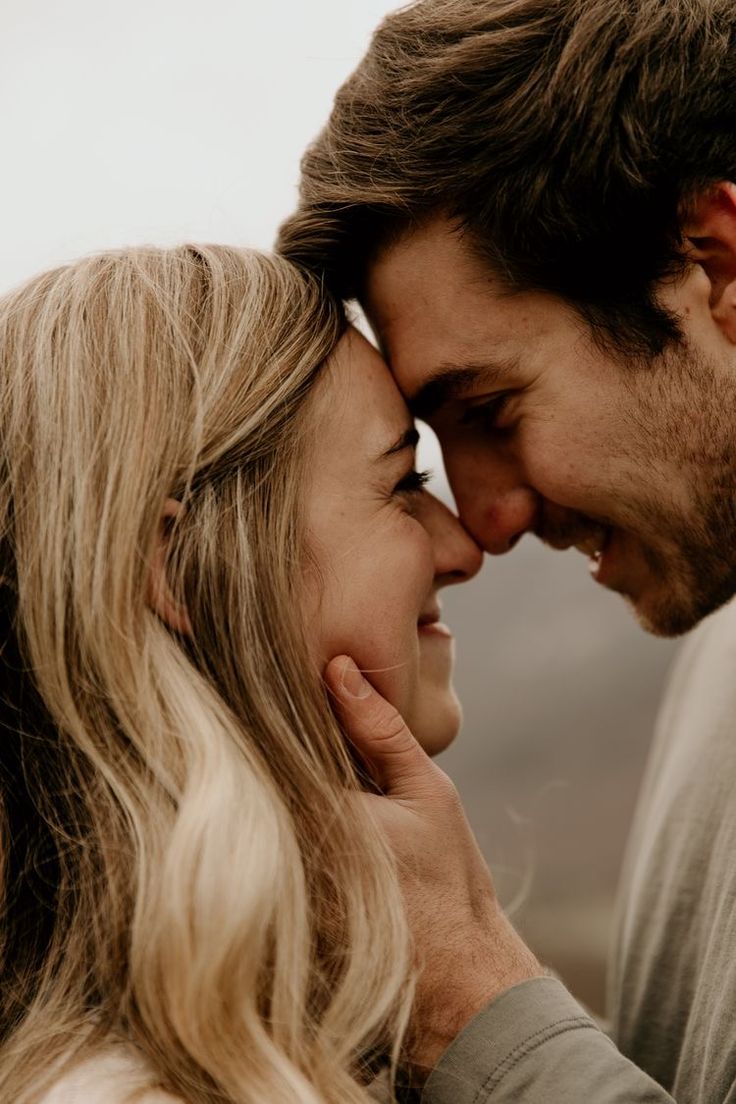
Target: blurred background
x=167 y=120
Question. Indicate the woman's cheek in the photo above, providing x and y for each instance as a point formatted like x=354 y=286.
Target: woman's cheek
x=388 y=654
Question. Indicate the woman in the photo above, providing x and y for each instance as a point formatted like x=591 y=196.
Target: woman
x=208 y=490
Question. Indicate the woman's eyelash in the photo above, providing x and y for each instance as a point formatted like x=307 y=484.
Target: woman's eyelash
x=413 y=482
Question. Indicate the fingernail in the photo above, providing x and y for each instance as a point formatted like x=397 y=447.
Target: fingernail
x=353 y=683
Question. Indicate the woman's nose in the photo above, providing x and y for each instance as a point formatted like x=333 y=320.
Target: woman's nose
x=457 y=557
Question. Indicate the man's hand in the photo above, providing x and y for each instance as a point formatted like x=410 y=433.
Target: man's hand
x=467 y=951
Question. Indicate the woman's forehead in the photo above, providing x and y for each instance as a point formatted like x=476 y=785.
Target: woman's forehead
x=361 y=411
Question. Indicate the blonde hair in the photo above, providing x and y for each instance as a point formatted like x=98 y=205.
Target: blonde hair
x=184 y=861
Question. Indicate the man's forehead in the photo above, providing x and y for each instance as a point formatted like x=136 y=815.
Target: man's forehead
x=425 y=266
x=438 y=320
x=486 y=340
x=435 y=363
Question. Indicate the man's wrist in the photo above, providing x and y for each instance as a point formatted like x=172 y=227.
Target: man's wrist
x=487 y=963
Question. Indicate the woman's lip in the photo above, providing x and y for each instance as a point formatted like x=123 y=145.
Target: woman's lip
x=434 y=628
x=429 y=615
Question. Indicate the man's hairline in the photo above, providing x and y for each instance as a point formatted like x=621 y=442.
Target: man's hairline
x=504 y=286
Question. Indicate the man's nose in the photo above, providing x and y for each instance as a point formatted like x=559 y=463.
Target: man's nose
x=496 y=515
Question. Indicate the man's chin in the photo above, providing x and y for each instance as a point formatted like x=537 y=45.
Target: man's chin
x=670 y=613
x=663 y=620
x=670 y=589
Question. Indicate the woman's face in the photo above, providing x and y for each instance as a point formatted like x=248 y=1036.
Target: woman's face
x=384 y=547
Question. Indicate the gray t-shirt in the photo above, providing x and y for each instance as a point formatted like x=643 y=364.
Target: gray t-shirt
x=673 y=974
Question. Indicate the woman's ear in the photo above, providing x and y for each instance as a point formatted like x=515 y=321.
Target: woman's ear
x=160 y=599
x=711 y=230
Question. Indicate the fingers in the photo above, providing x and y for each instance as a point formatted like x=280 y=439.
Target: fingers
x=400 y=766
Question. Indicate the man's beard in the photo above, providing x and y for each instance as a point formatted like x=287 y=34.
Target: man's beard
x=683 y=474
x=703 y=569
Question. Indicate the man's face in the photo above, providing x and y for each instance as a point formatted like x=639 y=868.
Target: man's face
x=544 y=432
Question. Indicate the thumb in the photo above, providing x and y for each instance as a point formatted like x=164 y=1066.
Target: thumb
x=379 y=733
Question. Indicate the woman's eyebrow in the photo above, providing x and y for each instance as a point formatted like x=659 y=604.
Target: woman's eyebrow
x=408 y=439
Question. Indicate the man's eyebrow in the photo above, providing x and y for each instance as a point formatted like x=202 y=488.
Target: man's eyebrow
x=450 y=380
x=408 y=439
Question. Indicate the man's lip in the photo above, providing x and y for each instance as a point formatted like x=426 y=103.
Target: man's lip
x=592 y=543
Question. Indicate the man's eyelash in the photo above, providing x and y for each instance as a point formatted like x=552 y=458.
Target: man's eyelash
x=485 y=412
x=413 y=482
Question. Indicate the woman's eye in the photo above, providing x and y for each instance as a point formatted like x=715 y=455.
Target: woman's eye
x=412 y=483
x=486 y=413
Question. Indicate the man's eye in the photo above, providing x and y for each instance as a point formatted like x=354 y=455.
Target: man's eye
x=485 y=413
x=413 y=483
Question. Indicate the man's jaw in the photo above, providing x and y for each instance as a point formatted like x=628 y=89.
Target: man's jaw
x=655 y=575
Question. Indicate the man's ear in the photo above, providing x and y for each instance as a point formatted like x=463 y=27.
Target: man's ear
x=711 y=230
x=160 y=598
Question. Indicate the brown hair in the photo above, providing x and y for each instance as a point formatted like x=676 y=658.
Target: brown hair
x=564 y=135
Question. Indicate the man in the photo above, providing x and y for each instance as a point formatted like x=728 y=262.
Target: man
x=534 y=202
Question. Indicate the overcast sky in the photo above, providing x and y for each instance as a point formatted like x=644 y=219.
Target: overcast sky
x=132 y=121
x=161 y=120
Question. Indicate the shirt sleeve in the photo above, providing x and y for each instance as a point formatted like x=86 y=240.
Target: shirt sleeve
x=536 y=1044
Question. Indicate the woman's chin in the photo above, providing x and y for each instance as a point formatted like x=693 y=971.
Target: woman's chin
x=437 y=721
